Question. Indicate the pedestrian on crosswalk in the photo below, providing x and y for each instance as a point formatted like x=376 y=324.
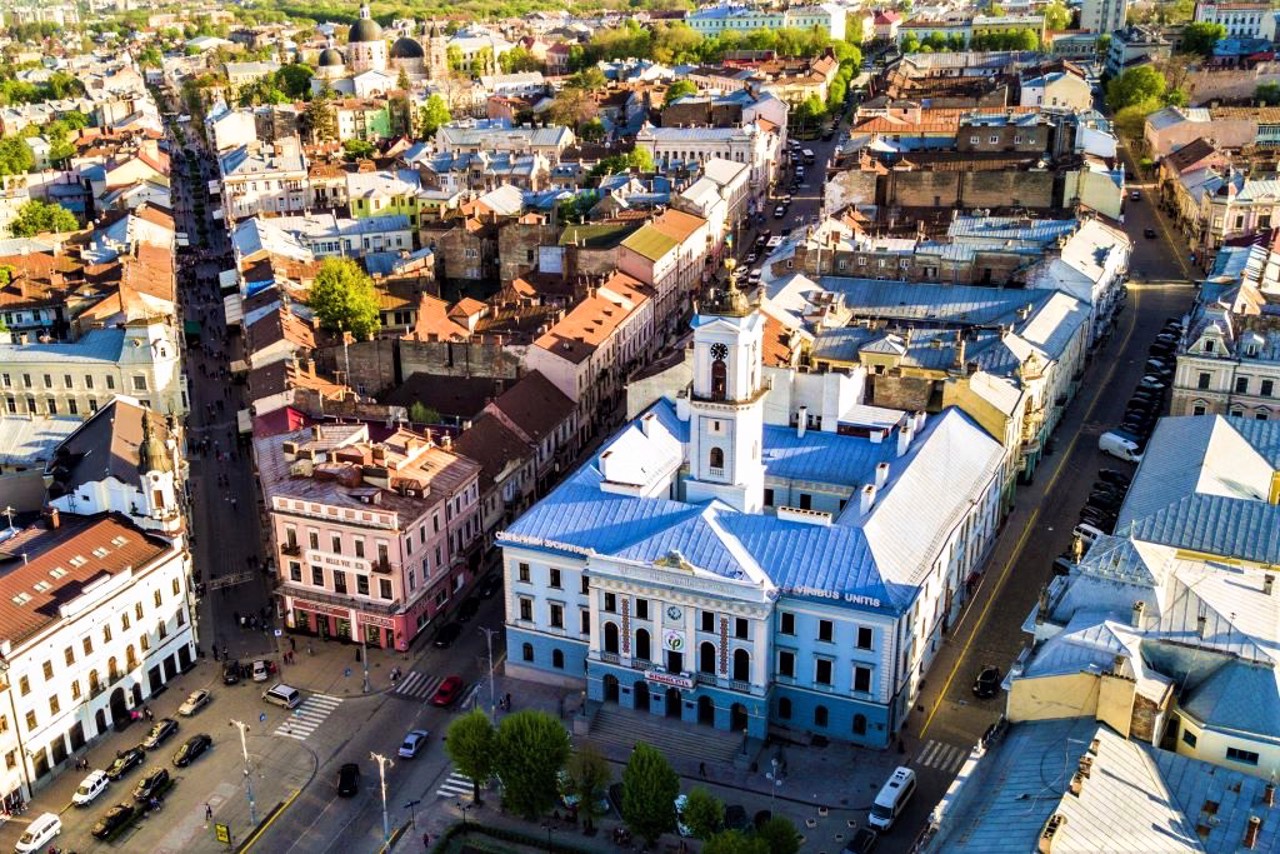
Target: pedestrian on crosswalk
x=208 y=812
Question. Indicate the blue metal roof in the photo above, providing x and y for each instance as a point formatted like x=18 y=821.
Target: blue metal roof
x=822 y=457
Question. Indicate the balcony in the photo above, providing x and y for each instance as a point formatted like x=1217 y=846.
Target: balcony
x=382 y=566
x=740 y=685
x=705 y=678
x=610 y=657
x=641 y=664
x=292 y=549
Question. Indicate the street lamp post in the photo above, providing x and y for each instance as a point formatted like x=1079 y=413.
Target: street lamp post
x=463 y=808
x=364 y=661
x=413 y=814
x=775 y=781
x=383 y=764
x=493 y=701
x=248 y=772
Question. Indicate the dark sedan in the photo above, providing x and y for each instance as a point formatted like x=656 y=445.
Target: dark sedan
x=126 y=761
x=192 y=749
x=348 y=780
x=987 y=685
x=112 y=820
x=447 y=636
x=164 y=729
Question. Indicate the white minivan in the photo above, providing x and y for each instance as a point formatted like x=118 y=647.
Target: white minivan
x=285 y=696
x=893 y=798
x=41 y=831
x=1120 y=446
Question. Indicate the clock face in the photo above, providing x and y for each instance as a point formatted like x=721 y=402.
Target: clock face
x=674 y=612
x=719 y=352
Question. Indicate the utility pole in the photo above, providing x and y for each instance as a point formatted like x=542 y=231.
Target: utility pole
x=383 y=764
x=364 y=659
x=493 y=698
x=248 y=772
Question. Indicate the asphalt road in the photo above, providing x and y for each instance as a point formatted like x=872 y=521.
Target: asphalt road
x=947 y=714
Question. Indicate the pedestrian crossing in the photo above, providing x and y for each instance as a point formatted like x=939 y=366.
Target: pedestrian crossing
x=416 y=685
x=943 y=757
x=306 y=719
x=456 y=786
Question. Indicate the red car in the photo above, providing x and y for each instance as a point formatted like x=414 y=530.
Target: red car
x=447 y=694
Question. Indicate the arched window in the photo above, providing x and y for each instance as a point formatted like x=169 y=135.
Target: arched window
x=741 y=665
x=642 y=644
x=820 y=716
x=526 y=652
x=557 y=659
x=784 y=708
x=716 y=458
x=719 y=380
x=707 y=657
x=859 y=724
x=611 y=638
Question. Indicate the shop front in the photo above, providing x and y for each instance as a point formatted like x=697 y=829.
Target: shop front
x=331 y=622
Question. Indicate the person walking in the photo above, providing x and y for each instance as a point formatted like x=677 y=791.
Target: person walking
x=208 y=813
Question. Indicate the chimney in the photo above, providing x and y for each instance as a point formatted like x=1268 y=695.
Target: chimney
x=55 y=519
x=959 y=351
x=802 y=422
x=1138 y=608
x=867 y=498
x=1051 y=828
x=1268 y=584
x=1273 y=497
x=920 y=418
x=646 y=424
x=882 y=475
x=1077 y=783
x=1269 y=795
x=1200 y=621
x=904 y=439
x=1251 y=832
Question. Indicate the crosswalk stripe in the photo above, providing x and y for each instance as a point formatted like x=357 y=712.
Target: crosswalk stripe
x=306 y=719
x=456 y=784
x=944 y=757
x=417 y=685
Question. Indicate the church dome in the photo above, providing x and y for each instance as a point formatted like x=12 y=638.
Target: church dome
x=330 y=57
x=365 y=30
x=406 y=48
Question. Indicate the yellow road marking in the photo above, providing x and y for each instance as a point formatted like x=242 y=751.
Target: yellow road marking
x=257 y=834
x=1031 y=522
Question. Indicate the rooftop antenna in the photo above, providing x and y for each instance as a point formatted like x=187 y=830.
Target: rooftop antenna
x=8 y=514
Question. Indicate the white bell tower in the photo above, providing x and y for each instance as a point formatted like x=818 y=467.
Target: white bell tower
x=726 y=404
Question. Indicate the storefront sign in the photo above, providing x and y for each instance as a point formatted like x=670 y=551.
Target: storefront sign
x=370 y=620
x=354 y=564
x=675 y=680
x=342 y=613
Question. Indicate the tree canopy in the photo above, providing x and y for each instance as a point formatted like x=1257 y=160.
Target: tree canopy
x=343 y=298
x=589 y=777
x=471 y=743
x=532 y=747
x=1056 y=16
x=1134 y=86
x=678 y=89
x=37 y=217
x=649 y=790
x=15 y=156
x=1201 y=36
x=433 y=114
x=703 y=813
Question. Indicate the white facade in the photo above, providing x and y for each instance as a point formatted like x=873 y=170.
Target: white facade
x=1103 y=16
x=1241 y=20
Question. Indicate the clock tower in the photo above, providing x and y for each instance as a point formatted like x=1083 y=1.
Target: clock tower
x=726 y=401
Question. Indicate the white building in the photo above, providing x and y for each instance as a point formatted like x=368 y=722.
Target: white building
x=689 y=148
x=1255 y=20
x=1103 y=16
x=94 y=619
x=258 y=178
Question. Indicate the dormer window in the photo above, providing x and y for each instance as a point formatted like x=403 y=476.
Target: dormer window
x=1208 y=345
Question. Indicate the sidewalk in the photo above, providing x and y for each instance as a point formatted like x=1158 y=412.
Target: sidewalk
x=331 y=666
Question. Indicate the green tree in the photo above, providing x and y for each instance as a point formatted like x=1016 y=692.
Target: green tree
x=37 y=217
x=675 y=43
x=781 y=835
x=399 y=107
x=679 y=89
x=453 y=55
x=434 y=114
x=1056 y=17
x=357 y=149
x=532 y=747
x=343 y=298
x=735 y=842
x=589 y=778
x=471 y=743
x=294 y=80
x=703 y=813
x=591 y=130
x=1130 y=121
x=318 y=118
x=1103 y=45
x=482 y=62
x=588 y=80
x=1200 y=37
x=1267 y=94
x=573 y=107
x=518 y=59
x=1139 y=84
x=649 y=790
x=150 y=57
x=420 y=413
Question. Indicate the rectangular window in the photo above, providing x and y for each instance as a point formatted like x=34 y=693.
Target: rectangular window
x=768 y=497
x=1189 y=738
x=585 y=587
x=554 y=578
x=48 y=670
x=111 y=383
x=826 y=630
x=339 y=581
x=384 y=588
x=526 y=609
x=611 y=603
x=31 y=721
x=806 y=501
x=24 y=686
x=1267 y=388
x=139 y=383
x=787 y=663
x=335 y=543
x=523 y=570
x=54 y=705
x=740 y=627
x=295 y=571
x=11 y=760
x=788 y=623
x=708 y=621
x=1202 y=381
x=864 y=637
x=862 y=679
x=362 y=585
x=75 y=689
x=1245 y=757
x=557 y=616
x=66 y=381
x=88 y=646
x=48 y=381
x=642 y=609
x=69 y=655
x=822 y=671
x=359 y=545
x=106 y=634
x=1242 y=385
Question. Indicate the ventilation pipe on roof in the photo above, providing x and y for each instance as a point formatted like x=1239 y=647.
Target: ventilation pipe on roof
x=1268 y=583
x=920 y=418
x=1269 y=795
x=1251 y=832
x=867 y=498
x=882 y=475
x=1200 y=621
x=1138 y=608
x=802 y=422
x=904 y=439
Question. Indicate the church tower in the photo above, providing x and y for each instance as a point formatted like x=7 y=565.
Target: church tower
x=726 y=406
x=158 y=479
x=437 y=53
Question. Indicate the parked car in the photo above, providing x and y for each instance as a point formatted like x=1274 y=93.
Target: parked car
x=1117 y=478
x=126 y=761
x=230 y=672
x=447 y=635
x=468 y=610
x=489 y=586
x=1135 y=195
x=155 y=782
x=779 y=212
x=261 y=673
x=1151 y=381
x=164 y=729
x=90 y=787
x=195 y=701
x=987 y=685
x=414 y=741
x=447 y=694
x=113 y=819
x=1149 y=233
x=43 y=828
x=864 y=841
x=192 y=749
x=348 y=780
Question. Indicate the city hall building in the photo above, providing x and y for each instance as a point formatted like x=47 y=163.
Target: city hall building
x=713 y=566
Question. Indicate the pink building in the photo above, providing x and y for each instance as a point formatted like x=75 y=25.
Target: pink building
x=372 y=539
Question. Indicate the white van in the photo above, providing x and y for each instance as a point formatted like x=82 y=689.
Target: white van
x=284 y=695
x=1120 y=446
x=893 y=798
x=1088 y=533
x=42 y=830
